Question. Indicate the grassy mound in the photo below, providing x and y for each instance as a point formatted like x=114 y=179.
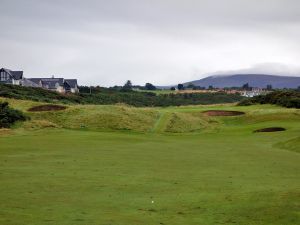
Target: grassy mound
x=39 y=124
x=188 y=122
x=292 y=145
x=182 y=119
x=101 y=118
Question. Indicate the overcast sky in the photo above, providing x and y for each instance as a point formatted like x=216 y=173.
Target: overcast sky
x=106 y=42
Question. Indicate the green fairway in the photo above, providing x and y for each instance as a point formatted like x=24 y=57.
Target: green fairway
x=160 y=166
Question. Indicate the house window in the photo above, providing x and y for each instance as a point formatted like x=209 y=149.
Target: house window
x=4 y=76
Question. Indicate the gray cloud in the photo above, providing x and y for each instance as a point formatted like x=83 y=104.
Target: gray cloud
x=265 y=68
x=159 y=41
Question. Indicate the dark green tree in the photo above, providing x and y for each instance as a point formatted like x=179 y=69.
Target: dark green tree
x=149 y=86
x=180 y=87
x=246 y=86
x=127 y=86
x=191 y=86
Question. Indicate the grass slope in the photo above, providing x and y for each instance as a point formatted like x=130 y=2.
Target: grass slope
x=90 y=117
x=222 y=173
x=170 y=119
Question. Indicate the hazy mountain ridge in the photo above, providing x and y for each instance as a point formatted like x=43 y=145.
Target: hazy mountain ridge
x=254 y=80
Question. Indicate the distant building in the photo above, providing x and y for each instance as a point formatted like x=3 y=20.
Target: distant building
x=253 y=92
x=60 y=85
x=11 y=77
x=71 y=85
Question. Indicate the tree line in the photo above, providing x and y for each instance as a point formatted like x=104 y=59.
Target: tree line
x=285 y=98
x=125 y=94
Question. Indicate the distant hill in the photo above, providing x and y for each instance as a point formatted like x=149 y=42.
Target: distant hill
x=254 y=80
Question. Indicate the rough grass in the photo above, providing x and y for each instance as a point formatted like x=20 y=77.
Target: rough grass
x=39 y=124
x=292 y=145
x=91 y=117
x=171 y=119
x=102 y=118
x=189 y=122
x=5 y=131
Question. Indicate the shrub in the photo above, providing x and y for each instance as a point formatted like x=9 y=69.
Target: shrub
x=107 y=96
x=289 y=99
x=9 y=116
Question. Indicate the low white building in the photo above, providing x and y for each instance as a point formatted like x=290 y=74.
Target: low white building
x=252 y=93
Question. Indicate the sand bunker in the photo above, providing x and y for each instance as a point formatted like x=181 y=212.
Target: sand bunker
x=43 y=108
x=270 y=129
x=223 y=113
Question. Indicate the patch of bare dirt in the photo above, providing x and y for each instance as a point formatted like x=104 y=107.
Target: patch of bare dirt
x=223 y=113
x=270 y=129
x=44 y=108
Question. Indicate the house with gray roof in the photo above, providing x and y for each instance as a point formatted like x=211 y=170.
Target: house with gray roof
x=10 y=77
x=60 y=85
x=71 y=85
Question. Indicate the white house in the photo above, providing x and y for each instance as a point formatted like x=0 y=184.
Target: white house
x=252 y=93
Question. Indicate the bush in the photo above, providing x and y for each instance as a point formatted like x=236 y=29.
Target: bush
x=108 y=96
x=9 y=116
x=246 y=102
x=289 y=99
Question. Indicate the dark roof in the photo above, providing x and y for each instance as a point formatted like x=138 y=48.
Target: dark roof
x=60 y=81
x=71 y=82
x=48 y=82
x=35 y=80
x=17 y=75
x=29 y=83
x=51 y=83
